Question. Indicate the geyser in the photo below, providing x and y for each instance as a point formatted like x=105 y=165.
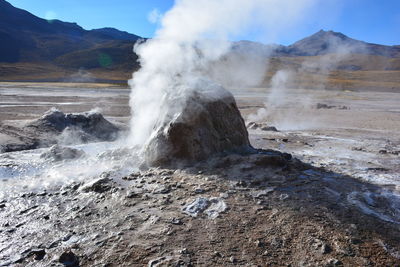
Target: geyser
x=178 y=109
x=209 y=123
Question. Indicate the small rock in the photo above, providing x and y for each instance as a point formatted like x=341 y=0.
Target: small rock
x=199 y=191
x=197 y=206
x=162 y=190
x=262 y=193
x=241 y=183
x=321 y=246
x=355 y=241
x=176 y=221
x=217 y=254
x=184 y=251
x=132 y=194
x=216 y=207
x=69 y=259
x=259 y=243
x=99 y=186
x=325 y=249
x=39 y=254
x=334 y=262
x=232 y=259
x=158 y=261
x=269 y=128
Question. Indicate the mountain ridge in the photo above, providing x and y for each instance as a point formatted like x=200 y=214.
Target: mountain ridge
x=25 y=37
x=32 y=48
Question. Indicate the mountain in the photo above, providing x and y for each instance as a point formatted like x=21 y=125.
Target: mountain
x=326 y=42
x=27 y=38
x=320 y=43
x=32 y=48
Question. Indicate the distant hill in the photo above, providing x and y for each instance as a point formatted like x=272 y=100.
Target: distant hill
x=27 y=38
x=326 y=42
x=320 y=43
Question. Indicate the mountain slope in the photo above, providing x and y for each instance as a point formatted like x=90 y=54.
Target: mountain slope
x=27 y=38
x=326 y=42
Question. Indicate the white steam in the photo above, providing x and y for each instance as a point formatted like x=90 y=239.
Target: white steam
x=287 y=110
x=154 y=16
x=191 y=51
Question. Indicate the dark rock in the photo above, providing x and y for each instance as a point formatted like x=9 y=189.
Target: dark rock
x=325 y=249
x=269 y=128
x=28 y=209
x=58 y=153
x=334 y=262
x=241 y=183
x=99 y=186
x=199 y=190
x=324 y=106
x=232 y=260
x=38 y=254
x=269 y=159
x=157 y=262
x=261 y=126
x=210 y=123
x=69 y=259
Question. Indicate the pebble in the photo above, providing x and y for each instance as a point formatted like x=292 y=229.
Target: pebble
x=176 y=221
x=69 y=259
x=199 y=190
x=38 y=253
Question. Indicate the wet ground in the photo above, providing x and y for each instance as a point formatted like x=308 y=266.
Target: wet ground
x=340 y=207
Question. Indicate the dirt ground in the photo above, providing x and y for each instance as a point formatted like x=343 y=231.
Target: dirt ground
x=336 y=203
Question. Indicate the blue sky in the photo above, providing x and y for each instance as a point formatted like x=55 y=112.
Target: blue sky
x=376 y=21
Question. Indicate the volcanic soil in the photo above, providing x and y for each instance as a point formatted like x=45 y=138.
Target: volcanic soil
x=335 y=202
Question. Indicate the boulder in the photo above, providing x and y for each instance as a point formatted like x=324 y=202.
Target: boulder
x=209 y=123
x=92 y=124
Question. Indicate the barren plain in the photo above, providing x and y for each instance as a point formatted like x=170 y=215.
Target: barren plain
x=335 y=202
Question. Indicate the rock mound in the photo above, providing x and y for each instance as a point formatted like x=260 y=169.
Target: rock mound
x=210 y=123
x=91 y=123
x=56 y=127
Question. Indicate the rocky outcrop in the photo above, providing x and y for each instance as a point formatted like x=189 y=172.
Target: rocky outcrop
x=210 y=123
x=90 y=123
x=56 y=127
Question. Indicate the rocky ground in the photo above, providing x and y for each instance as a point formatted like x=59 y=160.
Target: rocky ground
x=243 y=210
x=259 y=209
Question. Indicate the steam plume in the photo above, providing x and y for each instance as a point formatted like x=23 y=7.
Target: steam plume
x=187 y=53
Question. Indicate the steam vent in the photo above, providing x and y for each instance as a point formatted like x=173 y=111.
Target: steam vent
x=210 y=123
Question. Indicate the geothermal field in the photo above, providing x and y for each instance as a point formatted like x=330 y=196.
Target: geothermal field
x=194 y=147
x=334 y=201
